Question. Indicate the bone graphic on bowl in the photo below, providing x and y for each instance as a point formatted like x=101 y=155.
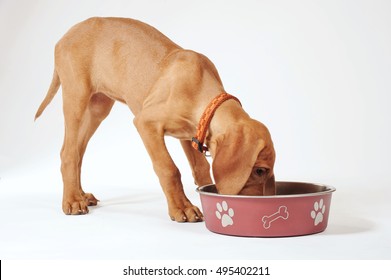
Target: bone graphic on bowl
x=281 y=213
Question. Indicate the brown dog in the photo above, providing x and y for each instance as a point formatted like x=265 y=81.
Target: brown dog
x=103 y=60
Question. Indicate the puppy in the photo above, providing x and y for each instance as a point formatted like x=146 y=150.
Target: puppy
x=170 y=91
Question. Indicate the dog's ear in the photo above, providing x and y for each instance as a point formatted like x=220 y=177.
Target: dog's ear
x=234 y=159
x=270 y=186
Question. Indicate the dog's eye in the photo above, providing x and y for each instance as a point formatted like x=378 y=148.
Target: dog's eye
x=260 y=171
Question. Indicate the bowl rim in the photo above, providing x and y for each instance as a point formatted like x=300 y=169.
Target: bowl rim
x=328 y=190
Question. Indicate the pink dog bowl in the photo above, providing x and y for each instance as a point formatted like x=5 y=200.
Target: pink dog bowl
x=297 y=209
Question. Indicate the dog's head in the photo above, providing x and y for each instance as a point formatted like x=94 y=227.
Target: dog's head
x=243 y=161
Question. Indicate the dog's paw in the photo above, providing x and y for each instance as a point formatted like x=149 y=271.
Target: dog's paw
x=187 y=214
x=90 y=199
x=75 y=206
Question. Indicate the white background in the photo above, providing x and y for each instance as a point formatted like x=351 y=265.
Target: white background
x=317 y=73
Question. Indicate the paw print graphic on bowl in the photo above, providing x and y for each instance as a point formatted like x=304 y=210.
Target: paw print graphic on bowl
x=225 y=214
x=318 y=212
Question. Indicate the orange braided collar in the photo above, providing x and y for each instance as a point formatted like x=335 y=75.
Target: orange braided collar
x=203 y=125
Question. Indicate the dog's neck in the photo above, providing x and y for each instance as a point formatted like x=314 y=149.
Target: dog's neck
x=229 y=114
x=198 y=142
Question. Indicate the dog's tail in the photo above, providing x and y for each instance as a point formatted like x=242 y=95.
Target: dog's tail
x=54 y=86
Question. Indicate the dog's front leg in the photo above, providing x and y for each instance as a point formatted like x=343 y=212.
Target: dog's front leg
x=180 y=208
x=198 y=163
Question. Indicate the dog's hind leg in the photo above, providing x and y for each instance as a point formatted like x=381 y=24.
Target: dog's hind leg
x=98 y=108
x=76 y=97
x=198 y=163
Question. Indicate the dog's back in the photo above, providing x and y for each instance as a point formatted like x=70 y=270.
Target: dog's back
x=116 y=51
x=112 y=56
